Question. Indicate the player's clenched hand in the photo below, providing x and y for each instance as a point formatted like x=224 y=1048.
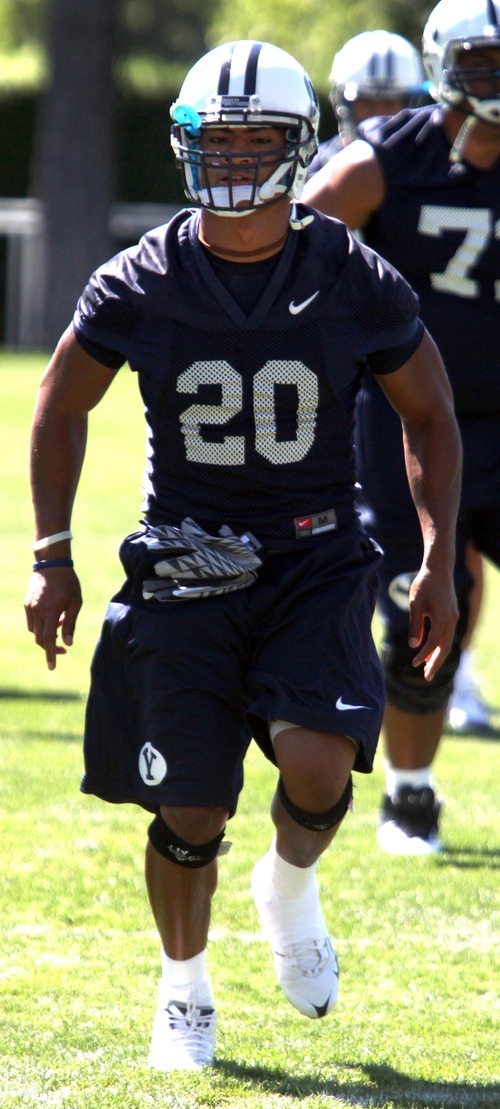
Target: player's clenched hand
x=433 y=618
x=52 y=602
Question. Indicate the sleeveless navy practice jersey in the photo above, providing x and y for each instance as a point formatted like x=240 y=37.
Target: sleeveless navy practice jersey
x=250 y=418
x=440 y=226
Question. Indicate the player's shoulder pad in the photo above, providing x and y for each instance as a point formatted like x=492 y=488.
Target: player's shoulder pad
x=342 y=265
x=132 y=282
x=324 y=240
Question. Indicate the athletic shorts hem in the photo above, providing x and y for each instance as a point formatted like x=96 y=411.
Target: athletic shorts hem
x=366 y=745
x=153 y=805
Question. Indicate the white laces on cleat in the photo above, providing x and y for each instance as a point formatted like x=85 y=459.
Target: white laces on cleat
x=308 y=956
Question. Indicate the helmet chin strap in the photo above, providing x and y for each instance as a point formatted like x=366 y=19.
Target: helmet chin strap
x=220 y=198
x=226 y=214
x=240 y=194
x=243 y=194
x=471 y=121
x=456 y=152
x=487 y=111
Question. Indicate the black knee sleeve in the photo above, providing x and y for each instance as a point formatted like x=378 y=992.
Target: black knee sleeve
x=406 y=687
x=316 y=821
x=176 y=850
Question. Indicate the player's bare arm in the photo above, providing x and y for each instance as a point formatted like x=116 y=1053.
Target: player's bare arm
x=350 y=187
x=421 y=394
x=72 y=384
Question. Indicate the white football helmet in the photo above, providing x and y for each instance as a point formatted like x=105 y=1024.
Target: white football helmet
x=374 y=65
x=245 y=84
x=457 y=25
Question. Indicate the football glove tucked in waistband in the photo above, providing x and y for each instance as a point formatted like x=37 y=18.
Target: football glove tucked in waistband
x=192 y=563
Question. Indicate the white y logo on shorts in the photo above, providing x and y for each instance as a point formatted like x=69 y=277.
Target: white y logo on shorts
x=152 y=765
x=399 y=590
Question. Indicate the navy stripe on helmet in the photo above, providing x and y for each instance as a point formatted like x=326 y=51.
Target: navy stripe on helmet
x=225 y=74
x=492 y=13
x=251 y=69
x=381 y=66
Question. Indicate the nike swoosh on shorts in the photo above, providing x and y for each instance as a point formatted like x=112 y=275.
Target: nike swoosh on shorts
x=340 y=704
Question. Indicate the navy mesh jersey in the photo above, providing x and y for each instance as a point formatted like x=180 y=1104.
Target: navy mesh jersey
x=250 y=418
x=440 y=226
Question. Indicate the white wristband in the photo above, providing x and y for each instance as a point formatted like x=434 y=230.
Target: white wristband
x=50 y=539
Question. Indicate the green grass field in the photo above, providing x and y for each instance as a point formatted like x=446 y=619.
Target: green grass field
x=415 y=1023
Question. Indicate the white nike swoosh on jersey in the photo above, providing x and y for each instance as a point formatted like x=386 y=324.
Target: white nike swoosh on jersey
x=343 y=707
x=296 y=308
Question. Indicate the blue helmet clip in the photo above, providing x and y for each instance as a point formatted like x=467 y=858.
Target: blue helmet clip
x=188 y=118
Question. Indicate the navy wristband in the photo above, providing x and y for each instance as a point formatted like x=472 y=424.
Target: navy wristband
x=50 y=563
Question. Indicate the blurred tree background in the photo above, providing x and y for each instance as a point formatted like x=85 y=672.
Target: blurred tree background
x=156 y=41
x=98 y=77
x=313 y=30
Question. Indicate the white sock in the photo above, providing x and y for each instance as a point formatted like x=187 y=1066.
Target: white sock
x=285 y=879
x=182 y=975
x=417 y=779
x=291 y=905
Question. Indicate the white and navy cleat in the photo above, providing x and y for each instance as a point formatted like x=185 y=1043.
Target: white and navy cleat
x=306 y=964
x=183 y=1035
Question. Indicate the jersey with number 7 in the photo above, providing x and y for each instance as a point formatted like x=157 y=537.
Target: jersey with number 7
x=439 y=226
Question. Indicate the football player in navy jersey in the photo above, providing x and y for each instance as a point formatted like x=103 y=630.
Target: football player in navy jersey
x=424 y=188
x=250 y=584
x=376 y=73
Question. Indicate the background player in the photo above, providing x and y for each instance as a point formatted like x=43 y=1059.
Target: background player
x=250 y=585
x=376 y=73
x=425 y=190
x=379 y=73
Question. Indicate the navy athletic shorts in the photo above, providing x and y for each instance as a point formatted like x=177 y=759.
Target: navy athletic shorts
x=178 y=689
x=389 y=515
